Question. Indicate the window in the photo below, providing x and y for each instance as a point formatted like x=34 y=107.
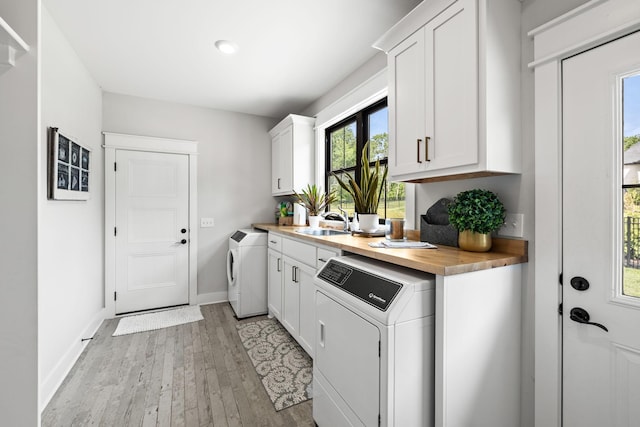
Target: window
x=631 y=185
x=344 y=144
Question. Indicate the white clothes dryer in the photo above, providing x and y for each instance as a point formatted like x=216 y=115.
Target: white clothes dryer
x=374 y=360
x=247 y=272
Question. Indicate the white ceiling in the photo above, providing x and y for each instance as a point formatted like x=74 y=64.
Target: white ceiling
x=291 y=51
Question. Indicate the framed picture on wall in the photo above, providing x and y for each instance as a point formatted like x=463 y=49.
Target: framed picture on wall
x=69 y=172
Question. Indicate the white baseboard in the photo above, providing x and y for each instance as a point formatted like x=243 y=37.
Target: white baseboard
x=50 y=384
x=212 y=298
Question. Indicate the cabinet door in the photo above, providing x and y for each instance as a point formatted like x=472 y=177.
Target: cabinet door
x=307 y=338
x=451 y=83
x=291 y=297
x=282 y=162
x=275 y=165
x=275 y=283
x=407 y=105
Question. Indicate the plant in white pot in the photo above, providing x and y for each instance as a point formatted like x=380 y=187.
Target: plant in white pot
x=315 y=201
x=366 y=193
x=475 y=214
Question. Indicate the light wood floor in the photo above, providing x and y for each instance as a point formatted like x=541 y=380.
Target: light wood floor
x=196 y=374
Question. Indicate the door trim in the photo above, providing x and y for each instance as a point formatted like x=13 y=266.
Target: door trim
x=118 y=141
x=572 y=33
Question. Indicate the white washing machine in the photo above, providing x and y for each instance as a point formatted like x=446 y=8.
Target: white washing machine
x=247 y=272
x=374 y=360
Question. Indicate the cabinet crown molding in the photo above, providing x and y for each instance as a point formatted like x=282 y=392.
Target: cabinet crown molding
x=412 y=22
x=289 y=120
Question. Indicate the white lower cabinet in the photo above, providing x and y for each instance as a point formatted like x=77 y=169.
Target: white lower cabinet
x=292 y=266
x=307 y=304
x=298 y=309
x=290 y=298
x=275 y=283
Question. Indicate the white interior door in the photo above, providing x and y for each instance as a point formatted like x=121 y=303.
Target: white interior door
x=601 y=359
x=152 y=230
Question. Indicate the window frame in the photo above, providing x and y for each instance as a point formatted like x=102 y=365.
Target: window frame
x=361 y=117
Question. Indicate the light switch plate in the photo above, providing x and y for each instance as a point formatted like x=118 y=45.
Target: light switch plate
x=206 y=222
x=513 y=225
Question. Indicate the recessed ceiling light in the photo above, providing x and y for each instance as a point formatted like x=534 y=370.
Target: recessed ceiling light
x=226 y=46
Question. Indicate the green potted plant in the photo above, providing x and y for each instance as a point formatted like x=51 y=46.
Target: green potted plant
x=366 y=193
x=315 y=201
x=475 y=214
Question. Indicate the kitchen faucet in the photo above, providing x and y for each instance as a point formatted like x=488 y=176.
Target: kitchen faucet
x=344 y=217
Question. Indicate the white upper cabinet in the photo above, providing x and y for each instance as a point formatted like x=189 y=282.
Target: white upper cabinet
x=292 y=154
x=454 y=90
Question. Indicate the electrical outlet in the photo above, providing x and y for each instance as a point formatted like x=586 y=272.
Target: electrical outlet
x=206 y=222
x=513 y=225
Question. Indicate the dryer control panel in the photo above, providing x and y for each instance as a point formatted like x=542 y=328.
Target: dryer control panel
x=368 y=287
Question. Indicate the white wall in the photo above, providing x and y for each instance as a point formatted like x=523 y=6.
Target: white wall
x=19 y=196
x=356 y=78
x=70 y=242
x=234 y=170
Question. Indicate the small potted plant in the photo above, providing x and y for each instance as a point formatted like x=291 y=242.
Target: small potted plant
x=475 y=214
x=366 y=193
x=315 y=201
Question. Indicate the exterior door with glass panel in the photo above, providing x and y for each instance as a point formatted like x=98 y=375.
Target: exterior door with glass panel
x=152 y=230
x=601 y=239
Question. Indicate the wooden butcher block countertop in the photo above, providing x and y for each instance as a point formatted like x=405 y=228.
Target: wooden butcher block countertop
x=445 y=260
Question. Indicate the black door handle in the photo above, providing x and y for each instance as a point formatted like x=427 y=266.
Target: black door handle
x=184 y=230
x=581 y=315
x=579 y=283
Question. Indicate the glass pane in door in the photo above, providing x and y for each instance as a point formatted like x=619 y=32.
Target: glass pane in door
x=631 y=185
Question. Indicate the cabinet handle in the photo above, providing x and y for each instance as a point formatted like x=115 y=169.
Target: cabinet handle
x=293 y=274
x=426 y=148
x=321 y=341
x=418 y=141
x=322 y=260
x=279 y=268
x=273 y=241
x=278 y=183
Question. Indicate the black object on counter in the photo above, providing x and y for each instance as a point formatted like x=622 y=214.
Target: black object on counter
x=435 y=227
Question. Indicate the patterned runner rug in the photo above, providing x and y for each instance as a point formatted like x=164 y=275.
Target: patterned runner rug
x=283 y=366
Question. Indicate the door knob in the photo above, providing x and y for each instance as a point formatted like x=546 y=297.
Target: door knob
x=184 y=230
x=581 y=315
x=182 y=242
x=579 y=283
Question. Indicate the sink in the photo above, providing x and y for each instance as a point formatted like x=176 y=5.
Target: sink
x=321 y=232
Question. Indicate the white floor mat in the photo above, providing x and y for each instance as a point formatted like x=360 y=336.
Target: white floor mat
x=158 y=320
